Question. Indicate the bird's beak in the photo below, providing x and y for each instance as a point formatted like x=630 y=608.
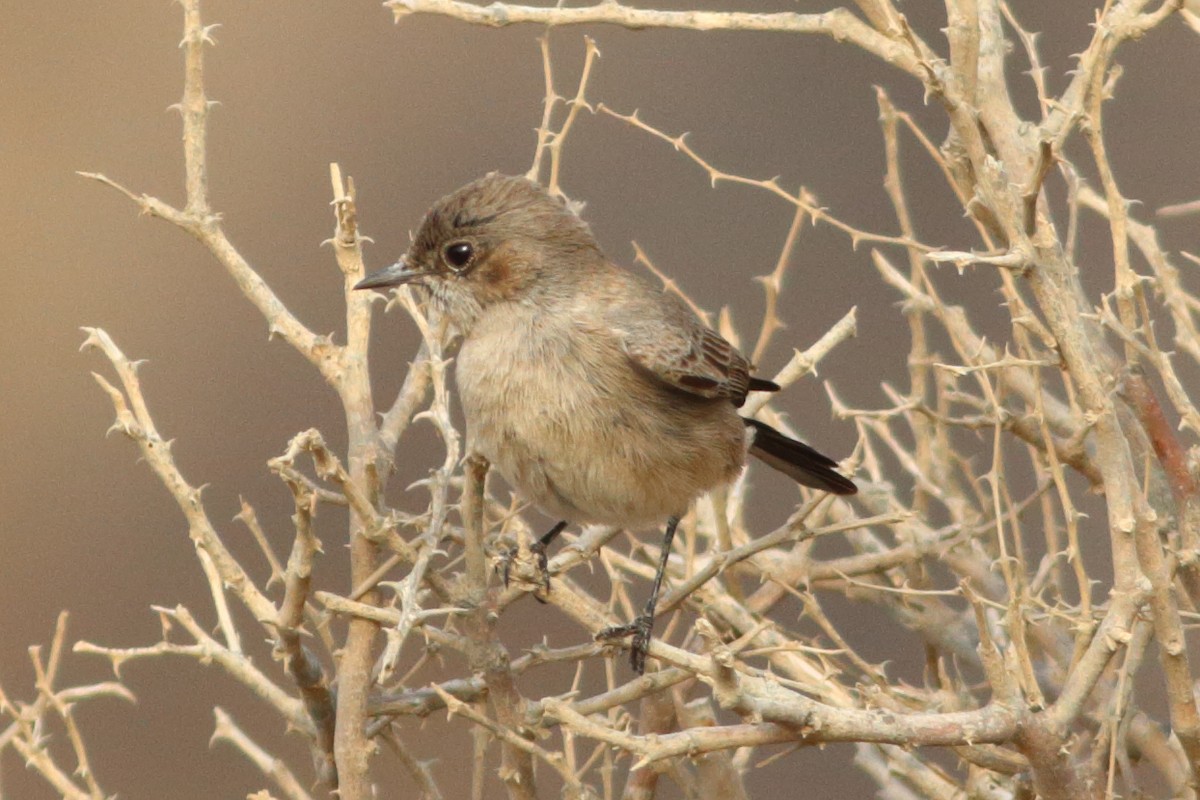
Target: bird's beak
x=395 y=275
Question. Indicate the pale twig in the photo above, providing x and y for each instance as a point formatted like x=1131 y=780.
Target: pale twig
x=1004 y=686
x=1175 y=296
x=772 y=284
x=931 y=449
x=473 y=524
x=27 y=734
x=1112 y=633
x=480 y=739
x=1124 y=280
x=411 y=396
x=215 y=588
x=1037 y=72
x=49 y=676
x=804 y=362
x=362 y=484
x=1071 y=520
x=656 y=716
x=874 y=760
x=549 y=101
x=794 y=531
x=418 y=770
x=963 y=33
x=971 y=346
x=558 y=138
x=1179 y=209
x=201 y=222
x=343 y=368
x=838 y=23
x=303 y=667
x=249 y=518
x=486 y=654
x=1172 y=643
x=801 y=199
x=328 y=467
x=994 y=723
x=410 y=612
x=669 y=284
x=208 y=650
x=25 y=741
x=434 y=365
x=134 y=420
x=1189 y=415
x=226 y=730
x=510 y=737
x=1012 y=259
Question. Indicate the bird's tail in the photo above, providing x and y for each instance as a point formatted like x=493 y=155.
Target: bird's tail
x=797 y=460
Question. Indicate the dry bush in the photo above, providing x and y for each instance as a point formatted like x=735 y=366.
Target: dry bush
x=1034 y=662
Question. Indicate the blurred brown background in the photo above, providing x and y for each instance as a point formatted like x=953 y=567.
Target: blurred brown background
x=411 y=111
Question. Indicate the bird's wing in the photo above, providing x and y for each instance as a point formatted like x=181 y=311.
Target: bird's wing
x=663 y=338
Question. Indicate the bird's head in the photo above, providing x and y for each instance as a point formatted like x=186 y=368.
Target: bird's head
x=495 y=240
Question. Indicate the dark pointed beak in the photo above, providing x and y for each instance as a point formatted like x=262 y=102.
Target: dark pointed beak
x=395 y=275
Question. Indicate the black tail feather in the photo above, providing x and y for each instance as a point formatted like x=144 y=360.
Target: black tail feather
x=762 y=385
x=797 y=460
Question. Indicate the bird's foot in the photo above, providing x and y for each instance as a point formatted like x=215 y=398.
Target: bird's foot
x=507 y=558
x=639 y=647
x=542 y=564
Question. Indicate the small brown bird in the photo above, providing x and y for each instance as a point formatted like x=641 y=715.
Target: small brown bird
x=599 y=397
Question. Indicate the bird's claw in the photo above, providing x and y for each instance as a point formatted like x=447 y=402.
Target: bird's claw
x=508 y=557
x=639 y=646
x=542 y=562
x=504 y=562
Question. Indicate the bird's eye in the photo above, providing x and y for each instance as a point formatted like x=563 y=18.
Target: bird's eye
x=458 y=255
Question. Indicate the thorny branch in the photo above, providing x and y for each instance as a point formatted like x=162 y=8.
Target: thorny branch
x=1030 y=656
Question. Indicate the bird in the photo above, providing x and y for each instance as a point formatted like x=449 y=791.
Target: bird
x=599 y=397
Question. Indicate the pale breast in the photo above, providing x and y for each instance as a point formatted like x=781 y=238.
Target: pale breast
x=560 y=412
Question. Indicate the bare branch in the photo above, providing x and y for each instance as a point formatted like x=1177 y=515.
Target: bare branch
x=227 y=730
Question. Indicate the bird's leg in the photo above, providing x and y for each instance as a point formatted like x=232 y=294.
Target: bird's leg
x=538 y=549
x=643 y=624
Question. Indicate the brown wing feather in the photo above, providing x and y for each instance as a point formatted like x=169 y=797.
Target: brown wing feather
x=683 y=352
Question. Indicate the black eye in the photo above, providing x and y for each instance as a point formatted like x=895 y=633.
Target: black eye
x=458 y=255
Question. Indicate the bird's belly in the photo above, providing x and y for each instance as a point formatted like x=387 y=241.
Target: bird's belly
x=588 y=448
